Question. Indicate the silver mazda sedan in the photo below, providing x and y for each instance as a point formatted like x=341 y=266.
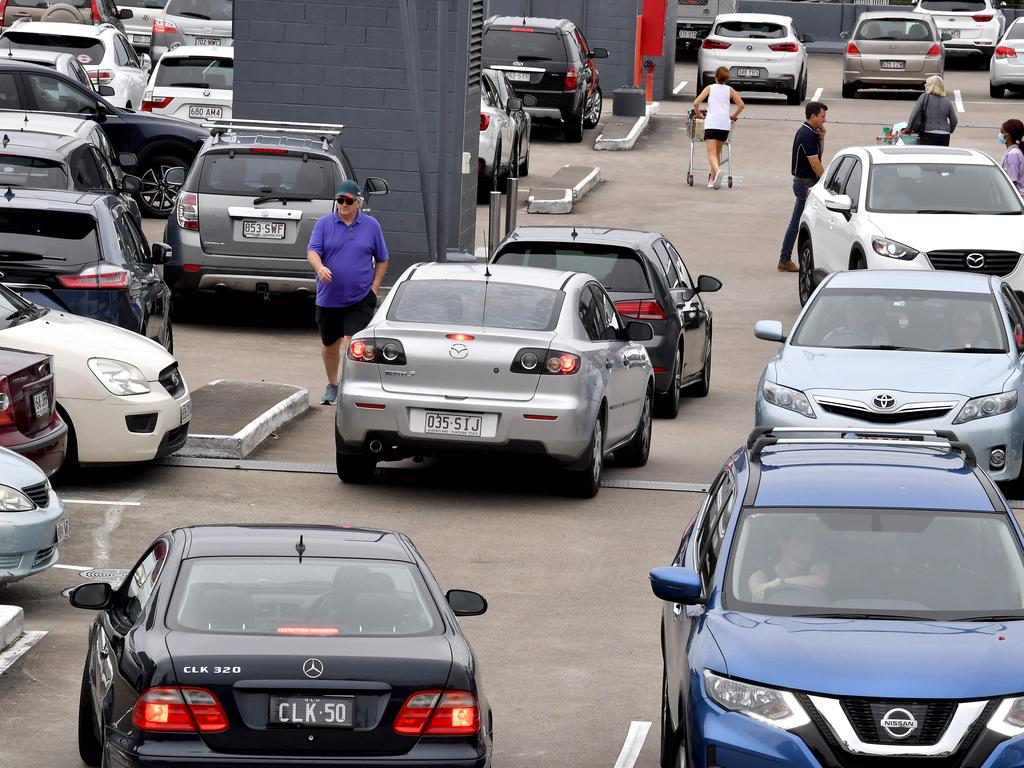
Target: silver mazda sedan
x=464 y=358
x=922 y=350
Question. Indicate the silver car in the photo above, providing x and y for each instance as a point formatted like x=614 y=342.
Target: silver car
x=32 y=522
x=917 y=350
x=192 y=22
x=459 y=359
x=892 y=49
x=139 y=28
x=65 y=63
x=504 y=133
x=1006 y=67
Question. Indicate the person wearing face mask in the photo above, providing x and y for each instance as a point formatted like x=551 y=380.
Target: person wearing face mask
x=1011 y=136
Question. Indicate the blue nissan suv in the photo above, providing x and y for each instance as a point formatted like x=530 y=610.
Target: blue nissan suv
x=850 y=599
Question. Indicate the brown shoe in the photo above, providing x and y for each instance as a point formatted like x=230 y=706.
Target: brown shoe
x=788 y=266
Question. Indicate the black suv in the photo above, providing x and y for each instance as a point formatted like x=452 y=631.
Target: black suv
x=159 y=143
x=551 y=66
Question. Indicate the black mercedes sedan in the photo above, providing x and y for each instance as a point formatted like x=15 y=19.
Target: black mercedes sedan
x=280 y=645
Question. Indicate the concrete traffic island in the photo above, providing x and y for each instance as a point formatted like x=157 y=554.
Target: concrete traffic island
x=622 y=133
x=12 y=624
x=231 y=418
x=558 y=194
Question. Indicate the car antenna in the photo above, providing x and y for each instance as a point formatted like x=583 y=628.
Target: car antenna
x=6 y=141
x=574 y=234
x=300 y=548
x=9 y=194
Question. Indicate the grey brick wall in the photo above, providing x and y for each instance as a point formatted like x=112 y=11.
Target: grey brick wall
x=343 y=61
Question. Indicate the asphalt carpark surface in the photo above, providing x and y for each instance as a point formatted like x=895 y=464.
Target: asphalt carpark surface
x=570 y=647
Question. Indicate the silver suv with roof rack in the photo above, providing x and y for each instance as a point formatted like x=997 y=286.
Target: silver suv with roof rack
x=245 y=213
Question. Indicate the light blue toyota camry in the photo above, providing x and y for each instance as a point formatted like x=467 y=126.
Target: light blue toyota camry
x=845 y=599
x=917 y=349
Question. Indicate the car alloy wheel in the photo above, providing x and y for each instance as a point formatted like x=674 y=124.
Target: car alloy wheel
x=157 y=196
x=597 y=464
x=594 y=113
x=806 y=277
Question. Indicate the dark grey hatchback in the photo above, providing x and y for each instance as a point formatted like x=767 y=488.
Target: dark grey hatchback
x=647 y=279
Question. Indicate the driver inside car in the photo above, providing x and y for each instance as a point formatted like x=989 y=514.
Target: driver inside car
x=796 y=567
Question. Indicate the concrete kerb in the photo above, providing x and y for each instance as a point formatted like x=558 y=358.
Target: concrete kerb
x=620 y=134
x=569 y=185
x=12 y=624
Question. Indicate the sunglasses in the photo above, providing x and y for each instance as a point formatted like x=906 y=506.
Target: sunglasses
x=347 y=200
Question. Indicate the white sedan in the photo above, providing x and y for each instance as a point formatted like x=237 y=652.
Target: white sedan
x=1006 y=68
x=192 y=82
x=122 y=395
x=104 y=51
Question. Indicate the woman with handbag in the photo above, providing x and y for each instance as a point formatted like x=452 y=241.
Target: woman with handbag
x=933 y=118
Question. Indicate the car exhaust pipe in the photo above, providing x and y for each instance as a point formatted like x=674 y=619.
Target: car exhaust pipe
x=376 y=446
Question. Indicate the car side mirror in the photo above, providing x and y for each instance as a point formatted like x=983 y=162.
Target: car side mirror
x=175 y=176
x=844 y=35
x=708 y=284
x=598 y=53
x=106 y=91
x=674 y=584
x=375 y=186
x=639 y=331
x=131 y=184
x=839 y=204
x=94 y=596
x=946 y=36
x=160 y=253
x=146 y=62
x=1002 y=6
x=514 y=104
x=125 y=13
x=127 y=159
x=769 y=330
x=807 y=38
x=466 y=603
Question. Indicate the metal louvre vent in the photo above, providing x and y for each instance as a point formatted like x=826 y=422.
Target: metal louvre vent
x=693 y=2
x=476 y=42
x=876 y=417
x=43 y=556
x=38 y=493
x=932 y=717
x=999 y=263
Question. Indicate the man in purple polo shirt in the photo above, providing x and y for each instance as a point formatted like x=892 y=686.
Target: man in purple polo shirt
x=348 y=255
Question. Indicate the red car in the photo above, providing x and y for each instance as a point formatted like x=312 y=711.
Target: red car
x=29 y=422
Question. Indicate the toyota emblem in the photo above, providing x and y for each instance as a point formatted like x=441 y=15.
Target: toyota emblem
x=898 y=723
x=314 y=668
x=975 y=260
x=884 y=401
x=458 y=351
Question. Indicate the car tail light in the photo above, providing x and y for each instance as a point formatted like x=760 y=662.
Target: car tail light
x=164 y=25
x=852 y=49
x=439 y=713
x=545 y=361
x=710 y=44
x=148 y=105
x=3 y=9
x=485 y=121
x=97 y=276
x=1005 y=52
x=6 y=409
x=460 y=337
x=95 y=12
x=101 y=77
x=934 y=52
x=267 y=151
x=186 y=211
x=181 y=710
x=572 y=80
x=644 y=309
x=982 y=17
x=785 y=47
x=521 y=29
x=381 y=351
x=308 y=631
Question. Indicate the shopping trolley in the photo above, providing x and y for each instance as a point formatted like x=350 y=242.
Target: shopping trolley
x=695 y=131
x=896 y=134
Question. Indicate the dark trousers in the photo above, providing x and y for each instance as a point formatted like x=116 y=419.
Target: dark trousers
x=800 y=189
x=934 y=139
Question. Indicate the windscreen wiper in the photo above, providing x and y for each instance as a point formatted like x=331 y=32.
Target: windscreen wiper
x=947 y=210
x=26 y=312
x=282 y=198
x=886 y=347
x=994 y=617
x=975 y=350
x=894 y=616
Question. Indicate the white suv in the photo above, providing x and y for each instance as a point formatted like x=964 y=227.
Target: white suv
x=103 y=50
x=973 y=26
x=912 y=208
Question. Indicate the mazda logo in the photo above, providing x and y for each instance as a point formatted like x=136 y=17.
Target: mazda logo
x=898 y=723
x=883 y=402
x=314 y=668
x=458 y=351
x=975 y=260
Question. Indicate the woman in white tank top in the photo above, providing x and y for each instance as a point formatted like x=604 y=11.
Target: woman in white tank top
x=718 y=121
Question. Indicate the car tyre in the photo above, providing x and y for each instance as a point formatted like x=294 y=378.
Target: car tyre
x=586 y=482
x=593 y=116
x=637 y=451
x=574 y=125
x=793 y=96
x=859 y=262
x=996 y=91
x=156 y=198
x=524 y=162
x=671 y=742
x=849 y=91
x=702 y=387
x=805 y=281
x=666 y=404
x=355 y=470
x=90 y=748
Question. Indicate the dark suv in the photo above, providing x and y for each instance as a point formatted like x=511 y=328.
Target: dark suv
x=551 y=66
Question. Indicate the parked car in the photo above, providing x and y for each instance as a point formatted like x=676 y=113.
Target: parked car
x=826 y=580
x=552 y=67
x=974 y=26
x=911 y=208
x=29 y=422
x=139 y=26
x=105 y=52
x=647 y=280
x=892 y=49
x=1006 y=67
x=65 y=63
x=245 y=214
x=34 y=524
x=694 y=19
x=504 y=132
x=365 y=664
x=85 y=253
x=763 y=52
x=67 y=11
x=192 y=83
x=121 y=395
x=935 y=351
x=159 y=143
x=193 y=22
x=466 y=358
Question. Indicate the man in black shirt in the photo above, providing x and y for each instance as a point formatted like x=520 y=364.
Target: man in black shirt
x=806 y=167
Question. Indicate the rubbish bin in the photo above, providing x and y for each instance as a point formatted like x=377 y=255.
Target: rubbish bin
x=629 y=102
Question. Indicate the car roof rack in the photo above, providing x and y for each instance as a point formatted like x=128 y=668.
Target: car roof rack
x=326 y=132
x=935 y=439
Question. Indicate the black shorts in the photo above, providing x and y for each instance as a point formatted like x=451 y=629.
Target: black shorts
x=716 y=134
x=337 y=322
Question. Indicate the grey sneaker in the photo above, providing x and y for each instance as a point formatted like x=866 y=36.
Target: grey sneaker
x=330 y=395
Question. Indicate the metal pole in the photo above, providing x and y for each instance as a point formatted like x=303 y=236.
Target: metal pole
x=494 y=223
x=511 y=204
x=443 y=171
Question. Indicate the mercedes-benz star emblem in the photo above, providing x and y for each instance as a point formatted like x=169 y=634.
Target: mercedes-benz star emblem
x=883 y=402
x=458 y=351
x=975 y=260
x=314 y=668
x=898 y=723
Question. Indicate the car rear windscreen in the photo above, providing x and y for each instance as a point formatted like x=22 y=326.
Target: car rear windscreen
x=47 y=239
x=32 y=172
x=315 y=597
x=617 y=269
x=256 y=175
x=954 y=6
x=196 y=72
x=894 y=29
x=752 y=30
x=209 y=10
x=487 y=304
x=1015 y=32
x=87 y=50
x=507 y=45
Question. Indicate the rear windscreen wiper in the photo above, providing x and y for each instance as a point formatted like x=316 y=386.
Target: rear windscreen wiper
x=534 y=58
x=193 y=15
x=282 y=198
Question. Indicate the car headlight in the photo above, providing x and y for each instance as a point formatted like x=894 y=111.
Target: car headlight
x=891 y=249
x=989 y=405
x=13 y=500
x=768 y=705
x=1008 y=719
x=120 y=378
x=790 y=399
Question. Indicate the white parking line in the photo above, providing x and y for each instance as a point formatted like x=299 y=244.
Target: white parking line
x=959 y=100
x=634 y=743
x=78 y=568
x=817 y=94
x=678 y=89
x=18 y=649
x=101 y=503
